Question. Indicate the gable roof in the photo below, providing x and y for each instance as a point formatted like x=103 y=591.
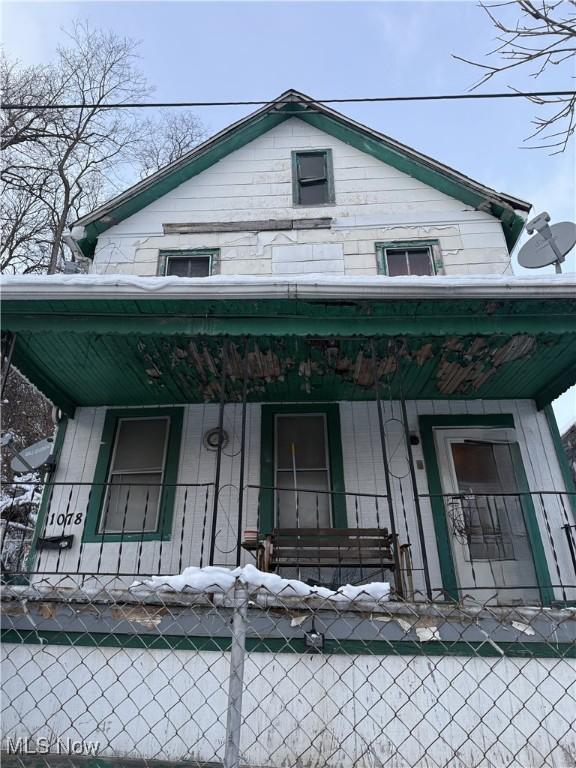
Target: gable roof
x=294 y=104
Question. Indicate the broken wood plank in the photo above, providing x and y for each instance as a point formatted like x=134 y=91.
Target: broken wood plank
x=262 y=225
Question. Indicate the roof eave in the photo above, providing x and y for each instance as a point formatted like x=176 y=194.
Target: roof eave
x=505 y=207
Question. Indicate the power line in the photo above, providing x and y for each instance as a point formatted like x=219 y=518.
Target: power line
x=157 y=104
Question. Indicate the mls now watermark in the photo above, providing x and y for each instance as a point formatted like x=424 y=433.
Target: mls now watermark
x=45 y=746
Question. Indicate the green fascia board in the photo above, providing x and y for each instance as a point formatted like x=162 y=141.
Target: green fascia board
x=35 y=372
x=427 y=424
x=341 y=129
x=237 y=139
x=512 y=223
x=299 y=324
x=562 y=458
x=527 y=650
x=556 y=387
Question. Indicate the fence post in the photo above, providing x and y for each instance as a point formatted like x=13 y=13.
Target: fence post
x=236 y=679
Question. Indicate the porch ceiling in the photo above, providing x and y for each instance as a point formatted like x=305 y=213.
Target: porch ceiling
x=149 y=352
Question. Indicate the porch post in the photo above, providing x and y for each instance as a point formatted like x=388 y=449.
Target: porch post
x=386 y=470
x=242 y=450
x=413 y=481
x=219 y=453
x=8 y=344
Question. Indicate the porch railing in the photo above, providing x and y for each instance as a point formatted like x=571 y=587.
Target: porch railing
x=68 y=533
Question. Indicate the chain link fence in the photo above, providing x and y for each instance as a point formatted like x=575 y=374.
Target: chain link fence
x=267 y=677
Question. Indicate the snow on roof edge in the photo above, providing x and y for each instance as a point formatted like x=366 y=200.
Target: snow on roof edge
x=320 y=286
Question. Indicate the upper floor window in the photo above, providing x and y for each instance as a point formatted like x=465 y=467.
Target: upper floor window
x=312 y=177
x=186 y=263
x=400 y=259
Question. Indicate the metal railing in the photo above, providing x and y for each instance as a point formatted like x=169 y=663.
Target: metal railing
x=262 y=676
x=110 y=529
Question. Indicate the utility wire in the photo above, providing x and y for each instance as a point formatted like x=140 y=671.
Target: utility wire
x=149 y=105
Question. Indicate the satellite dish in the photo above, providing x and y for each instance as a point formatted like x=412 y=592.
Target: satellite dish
x=550 y=245
x=35 y=456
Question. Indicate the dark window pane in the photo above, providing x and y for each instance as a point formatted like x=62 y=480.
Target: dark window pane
x=300 y=440
x=195 y=266
x=131 y=504
x=140 y=444
x=314 y=194
x=420 y=262
x=396 y=261
x=306 y=506
x=312 y=166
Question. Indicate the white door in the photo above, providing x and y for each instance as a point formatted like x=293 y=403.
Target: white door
x=489 y=539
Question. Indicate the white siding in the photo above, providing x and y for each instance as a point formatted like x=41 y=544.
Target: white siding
x=297 y=708
x=374 y=202
x=363 y=474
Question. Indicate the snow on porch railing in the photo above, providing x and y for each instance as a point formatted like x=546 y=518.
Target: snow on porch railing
x=244 y=668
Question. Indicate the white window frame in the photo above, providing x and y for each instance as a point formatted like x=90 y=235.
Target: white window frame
x=327 y=457
x=101 y=528
x=200 y=253
x=432 y=246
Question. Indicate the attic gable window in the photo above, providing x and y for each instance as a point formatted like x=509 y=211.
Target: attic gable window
x=186 y=263
x=400 y=259
x=312 y=177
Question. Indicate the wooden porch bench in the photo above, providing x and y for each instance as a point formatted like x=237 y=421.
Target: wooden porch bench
x=326 y=547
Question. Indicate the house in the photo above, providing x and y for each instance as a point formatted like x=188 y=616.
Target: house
x=569 y=443
x=302 y=345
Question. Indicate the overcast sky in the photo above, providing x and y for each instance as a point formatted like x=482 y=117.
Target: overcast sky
x=228 y=51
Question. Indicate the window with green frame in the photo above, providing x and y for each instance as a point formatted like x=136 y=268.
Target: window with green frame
x=312 y=177
x=187 y=263
x=412 y=257
x=301 y=449
x=134 y=483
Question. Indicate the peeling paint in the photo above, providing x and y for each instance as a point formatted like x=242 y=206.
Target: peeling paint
x=526 y=628
x=428 y=633
x=456 y=365
x=149 y=618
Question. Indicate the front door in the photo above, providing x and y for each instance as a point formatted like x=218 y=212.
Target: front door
x=485 y=518
x=302 y=471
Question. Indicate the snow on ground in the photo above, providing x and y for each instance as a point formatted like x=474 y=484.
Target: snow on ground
x=217 y=579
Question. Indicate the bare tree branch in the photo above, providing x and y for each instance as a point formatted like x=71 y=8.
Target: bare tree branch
x=58 y=164
x=541 y=36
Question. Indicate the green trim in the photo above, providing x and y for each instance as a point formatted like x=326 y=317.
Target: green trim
x=33 y=370
x=329 y=177
x=402 y=158
x=187 y=253
x=97 y=495
x=404 y=161
x=532 y=528
x=47 y=492
x=434 y=246
x=299 y=323
x=294 y=645
x=447 y=567
x=267 y=460
x=562 y=457
x=553 y=389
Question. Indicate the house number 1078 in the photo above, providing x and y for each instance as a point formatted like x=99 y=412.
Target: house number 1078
x=66 y=519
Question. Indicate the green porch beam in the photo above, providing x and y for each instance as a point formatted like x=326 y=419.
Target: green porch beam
x=553 y=389
x=192 y=325
x=36 y=373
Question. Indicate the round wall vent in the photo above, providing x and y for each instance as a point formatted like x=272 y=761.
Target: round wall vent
x=215 y=438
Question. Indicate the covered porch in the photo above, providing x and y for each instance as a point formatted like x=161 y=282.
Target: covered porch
x=342 y=433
